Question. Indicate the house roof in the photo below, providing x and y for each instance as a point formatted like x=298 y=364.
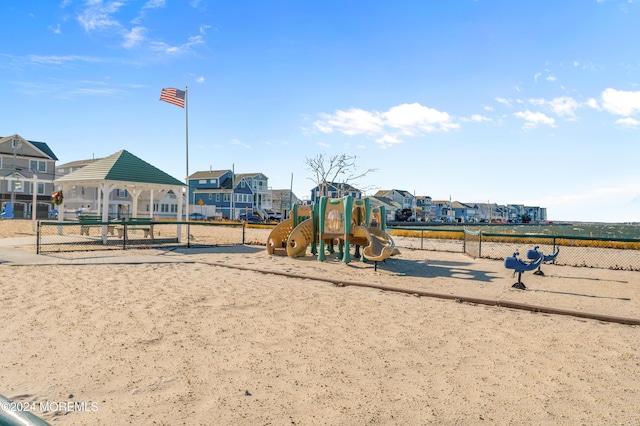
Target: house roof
x=40 y=146
x=76 y=164
x=387 y=192
x=209 y=174
x=249 y=175
x=121 y=167
x=45 y=149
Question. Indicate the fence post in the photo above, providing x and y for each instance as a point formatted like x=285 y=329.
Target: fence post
x=464 y=240
x=244 y=224
x=422 y=239
x=38 y=238
x=480 y=244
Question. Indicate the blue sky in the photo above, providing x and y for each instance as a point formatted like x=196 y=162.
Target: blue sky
x=532 y=102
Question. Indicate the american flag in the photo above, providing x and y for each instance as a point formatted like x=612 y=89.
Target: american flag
x=173 y=96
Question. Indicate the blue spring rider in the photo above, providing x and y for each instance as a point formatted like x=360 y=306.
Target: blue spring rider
x=520 y=266
x=535 y=254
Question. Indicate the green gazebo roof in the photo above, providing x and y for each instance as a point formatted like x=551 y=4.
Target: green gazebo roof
x=121 y=167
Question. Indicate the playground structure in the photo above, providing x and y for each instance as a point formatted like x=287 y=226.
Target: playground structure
x=520 y=266
x=534 y=254
x=343 y=221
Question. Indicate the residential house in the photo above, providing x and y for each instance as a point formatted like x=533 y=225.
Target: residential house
x=405 y=199
x=27 y=171
x=463 y=213
x=282 y=201
x=225 y=194
x=443 y=211
x=259 y=185
x=211 y=192
x=334 y=190
x=391 y=207
x=424 y=208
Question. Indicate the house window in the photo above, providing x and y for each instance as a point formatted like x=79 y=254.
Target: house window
x=217 y=197
x=41 y=188
x=214 y=181
x=37 y=166
x=17 y=186
x=202 y=181
x=226 y=197
x=242 y=184
x=121 y=193
x=210 y=196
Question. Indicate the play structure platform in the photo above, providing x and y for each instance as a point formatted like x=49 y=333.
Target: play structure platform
x=343 y=221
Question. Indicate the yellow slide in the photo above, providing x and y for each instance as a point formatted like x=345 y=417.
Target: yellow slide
x=277 y=241
x=300 y=239
x=381 y=245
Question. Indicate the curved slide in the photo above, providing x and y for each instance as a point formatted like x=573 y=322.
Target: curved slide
x=300 y=238
x=381 y=245
x=279 y=235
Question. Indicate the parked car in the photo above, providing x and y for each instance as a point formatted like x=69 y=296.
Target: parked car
x=197 y=216
x=275 y=216
x=251 y=218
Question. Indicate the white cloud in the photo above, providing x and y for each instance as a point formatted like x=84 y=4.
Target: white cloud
x=628 y=122
x=503 y=101
x=154 y=4
x=477 y=118
x=176 y=50
x=352 y=122
x=563 y=106
x=410 y=118
x=323 y=145
x=388 y=140
x=98 y=15
x=534 y=119
x=550 y=78
x=621 y=102
x=535 y=77
x=406 y=119
x=238 y=143
x=592 y=103
x=200 y=79
x=134 y=37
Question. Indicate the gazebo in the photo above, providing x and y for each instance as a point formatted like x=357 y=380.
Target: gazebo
x=121 y=170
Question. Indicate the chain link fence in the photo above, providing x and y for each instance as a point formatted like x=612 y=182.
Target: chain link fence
x=66 y=238
x=606 y=253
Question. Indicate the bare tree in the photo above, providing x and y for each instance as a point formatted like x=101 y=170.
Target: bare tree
x=335 y=170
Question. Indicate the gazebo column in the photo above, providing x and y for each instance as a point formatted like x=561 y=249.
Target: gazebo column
x=105 y=190
x=151 y=204
x=135 y=196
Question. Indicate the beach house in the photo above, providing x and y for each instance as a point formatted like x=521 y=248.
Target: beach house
x=27 y=171
x=221 y=193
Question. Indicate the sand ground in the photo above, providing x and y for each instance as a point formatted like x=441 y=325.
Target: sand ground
x=206 y=340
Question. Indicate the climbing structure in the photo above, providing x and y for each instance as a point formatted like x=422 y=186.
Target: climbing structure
x=334 y=221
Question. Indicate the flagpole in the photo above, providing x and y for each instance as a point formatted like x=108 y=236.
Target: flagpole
x=186 y=104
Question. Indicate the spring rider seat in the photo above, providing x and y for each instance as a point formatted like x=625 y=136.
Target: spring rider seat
x=520 y=266
x=534 y=254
